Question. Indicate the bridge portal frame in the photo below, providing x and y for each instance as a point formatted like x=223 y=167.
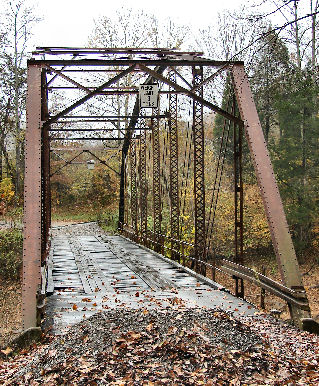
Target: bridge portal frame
x=36 y=193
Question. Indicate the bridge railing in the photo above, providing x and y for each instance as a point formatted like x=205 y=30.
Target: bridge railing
x=295 y=297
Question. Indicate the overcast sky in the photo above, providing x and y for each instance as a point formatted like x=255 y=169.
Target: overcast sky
x=69 y=22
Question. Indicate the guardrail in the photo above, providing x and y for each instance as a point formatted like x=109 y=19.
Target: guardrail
x=293 y=296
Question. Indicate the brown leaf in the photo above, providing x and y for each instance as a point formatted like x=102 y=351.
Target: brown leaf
x=149 y=327
x=7 y=351
x=75 y=307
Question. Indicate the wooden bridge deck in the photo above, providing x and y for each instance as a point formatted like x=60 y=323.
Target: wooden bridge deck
x=92 y=273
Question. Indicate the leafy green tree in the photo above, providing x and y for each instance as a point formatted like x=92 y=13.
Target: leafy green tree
x=271 y=70
x=295 y=154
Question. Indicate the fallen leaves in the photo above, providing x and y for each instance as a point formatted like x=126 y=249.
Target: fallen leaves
x=7 y=351
x=170 y=346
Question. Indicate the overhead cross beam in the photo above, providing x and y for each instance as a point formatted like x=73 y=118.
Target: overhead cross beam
x=195 y=97
x=89 y=96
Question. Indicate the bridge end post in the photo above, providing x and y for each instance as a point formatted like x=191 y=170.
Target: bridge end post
x=281 y=238
x=32 y=200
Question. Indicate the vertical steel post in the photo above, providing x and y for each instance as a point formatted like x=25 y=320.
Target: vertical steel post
x=126 y=196
x=283 y=246
x=173 y=164
x=199 y=176
x=157 y=207
x=46 y=196
x=238 y=202
x=143 y=183
x=32 y=200
x=133 y=187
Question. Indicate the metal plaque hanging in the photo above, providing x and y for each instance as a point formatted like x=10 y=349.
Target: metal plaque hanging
x=148 y=95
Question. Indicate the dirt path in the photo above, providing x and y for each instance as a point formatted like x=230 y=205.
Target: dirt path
x=10 y=311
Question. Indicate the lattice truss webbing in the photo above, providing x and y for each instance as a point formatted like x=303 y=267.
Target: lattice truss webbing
x=199 y=176
x=157 y=204
x=127 y=193
x=133 y=185
x=238 y=188
x=173 y=171
x=175 y=210
x=142 y=185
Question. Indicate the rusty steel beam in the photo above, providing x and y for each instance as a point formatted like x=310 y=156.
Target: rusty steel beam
x=161 y=52
x=125 y=220
x=133 y=62
x=281 y=238
x=115 y=116
x=133 y=187
x=207 y=80
x=32 y=200
x=46 y=190
x=67 y=78
x=199 y=174
x=89 y=96
x=143 y=186
x=238 y=202
x=86 y=139
x=171 y=68
x=157 y=205
x=194 y=95
x=173 y=165
x=113 y=90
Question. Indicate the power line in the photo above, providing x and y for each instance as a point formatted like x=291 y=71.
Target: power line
x=262 y=36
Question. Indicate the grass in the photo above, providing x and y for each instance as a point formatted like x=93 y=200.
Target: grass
x=66 y=216
x=107 y=219
x=10 y=254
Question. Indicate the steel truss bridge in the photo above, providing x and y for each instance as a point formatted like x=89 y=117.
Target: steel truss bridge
x=92 y=95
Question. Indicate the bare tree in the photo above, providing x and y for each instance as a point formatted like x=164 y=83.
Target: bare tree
x=137 y=29
x=17 y=25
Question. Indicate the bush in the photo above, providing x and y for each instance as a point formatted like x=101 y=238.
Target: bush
x=108 y=221
x=10 y=254
x=6 y=194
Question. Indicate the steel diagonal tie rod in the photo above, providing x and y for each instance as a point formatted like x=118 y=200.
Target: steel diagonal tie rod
x=195 y=97
x=63 y=68
x=89 y=96
x=66 y=164
x=102 y=162
x=67 y=78
x=219 y=71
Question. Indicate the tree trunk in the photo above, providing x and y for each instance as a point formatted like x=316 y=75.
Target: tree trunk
x=16 y=108
x=297 y=34
x=0 y=163
x=313 y=11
